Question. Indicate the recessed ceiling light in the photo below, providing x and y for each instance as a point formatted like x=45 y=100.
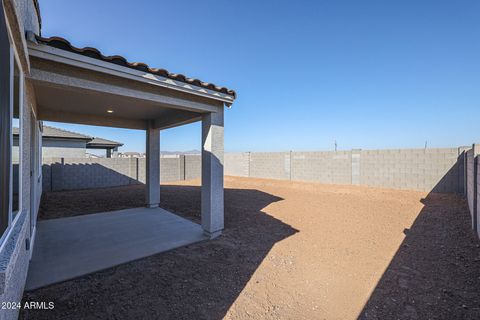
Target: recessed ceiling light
x=110 y=111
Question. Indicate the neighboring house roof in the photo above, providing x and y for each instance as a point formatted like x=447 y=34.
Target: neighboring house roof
x=103 y=143
x=63 y=44
x=92 y=142
x=52 y=132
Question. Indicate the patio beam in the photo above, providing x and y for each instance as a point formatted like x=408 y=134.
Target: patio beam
x=176 y=118
x=212 y=173
x=153 y=167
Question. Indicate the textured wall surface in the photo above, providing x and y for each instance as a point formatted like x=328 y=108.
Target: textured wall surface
x=14 y=256
x=323 y=167
x=477 y=211
x=84 y=173
x=470 y=180
x=237 y=164
x=270 y=165
x=472 y=177
x=415 y=169
x=64 y=148
x=437 y=170
x=193 y=167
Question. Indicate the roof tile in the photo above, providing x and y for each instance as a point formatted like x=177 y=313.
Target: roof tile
x=63 y=44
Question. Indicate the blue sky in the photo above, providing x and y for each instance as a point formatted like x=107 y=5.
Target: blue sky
x=368 y=74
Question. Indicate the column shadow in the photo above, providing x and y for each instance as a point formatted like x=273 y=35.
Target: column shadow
x=200 y=281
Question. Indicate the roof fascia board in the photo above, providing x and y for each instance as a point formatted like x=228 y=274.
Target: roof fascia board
x=62 y=56
x=66 y=138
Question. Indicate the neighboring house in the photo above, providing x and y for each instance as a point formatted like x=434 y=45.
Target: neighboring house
x=48 y=79
x=111 y=147
x=60 y=143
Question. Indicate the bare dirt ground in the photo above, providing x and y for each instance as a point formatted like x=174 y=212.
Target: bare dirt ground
x=290 y=250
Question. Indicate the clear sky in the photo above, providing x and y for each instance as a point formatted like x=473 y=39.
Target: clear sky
x=368 y=74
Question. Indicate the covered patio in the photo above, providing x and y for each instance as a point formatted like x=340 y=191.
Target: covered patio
x=82 y=86
x=70 y=247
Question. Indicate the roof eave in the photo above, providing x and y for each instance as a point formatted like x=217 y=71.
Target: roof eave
x=62 y=56
x=104 y=145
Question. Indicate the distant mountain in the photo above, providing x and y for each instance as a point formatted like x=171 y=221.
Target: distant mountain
x=180 y=152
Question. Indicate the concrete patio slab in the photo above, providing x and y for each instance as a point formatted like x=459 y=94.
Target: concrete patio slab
x=70 y=247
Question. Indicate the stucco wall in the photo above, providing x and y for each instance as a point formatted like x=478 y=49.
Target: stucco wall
x=64 y=148
x=14 y=255
x=27 y=14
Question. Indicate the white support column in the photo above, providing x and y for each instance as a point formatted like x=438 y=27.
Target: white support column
x=212 y=173
x=153 y=167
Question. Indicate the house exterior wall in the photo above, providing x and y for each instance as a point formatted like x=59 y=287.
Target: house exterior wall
x=56 y=148
x=63 y=148
x=14 y=255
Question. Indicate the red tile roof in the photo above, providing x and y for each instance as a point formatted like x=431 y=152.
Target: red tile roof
x=63 y=44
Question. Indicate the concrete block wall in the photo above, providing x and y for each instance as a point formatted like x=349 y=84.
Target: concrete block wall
x=476 y=214
x=323 y=167
x=84 y=173
x=438 y=170
x=470 y=180
x=270 y=165
x=237 y=164
x=415 y=169
x=193 y=167
x=472 y=185
x=170 y=168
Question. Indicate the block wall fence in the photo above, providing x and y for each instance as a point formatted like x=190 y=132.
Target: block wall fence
x=84 y=173
x=444 y=170
x=437 y=170
x=472 y=187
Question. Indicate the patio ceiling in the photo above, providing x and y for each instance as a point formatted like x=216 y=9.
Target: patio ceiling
x=77 y=88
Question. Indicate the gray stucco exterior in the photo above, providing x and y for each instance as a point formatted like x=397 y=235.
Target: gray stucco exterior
x=68 y=86
x=14 y=252
x=63 y=148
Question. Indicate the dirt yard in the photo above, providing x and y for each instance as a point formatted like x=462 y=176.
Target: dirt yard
x=289 y=251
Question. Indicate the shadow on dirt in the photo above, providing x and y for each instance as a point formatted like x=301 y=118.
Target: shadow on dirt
x=435 y=273
x=200 y=281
